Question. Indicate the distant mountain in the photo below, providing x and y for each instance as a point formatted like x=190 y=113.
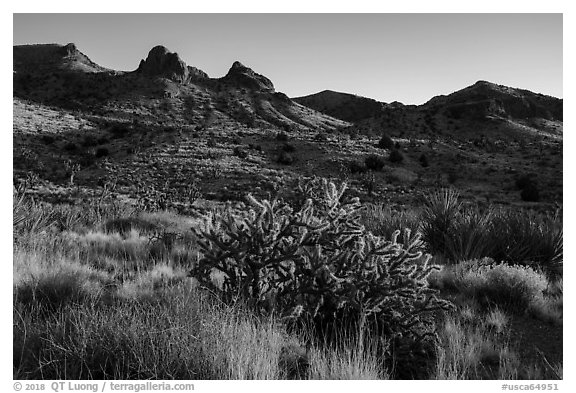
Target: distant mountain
x=484 y=99
x=52 y=57
x=483 y=108
x=344 y=106
x=64 y=76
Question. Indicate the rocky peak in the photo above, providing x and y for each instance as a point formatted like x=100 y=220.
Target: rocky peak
x=162 y=62
x=244 y=76
x=70 y=50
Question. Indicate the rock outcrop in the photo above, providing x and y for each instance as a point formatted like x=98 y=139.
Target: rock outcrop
x=161 y=62
x=243 y=76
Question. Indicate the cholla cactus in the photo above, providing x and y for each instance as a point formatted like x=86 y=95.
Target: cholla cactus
x=318 y=263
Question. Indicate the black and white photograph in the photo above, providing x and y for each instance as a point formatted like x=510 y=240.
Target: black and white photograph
x=287 y=196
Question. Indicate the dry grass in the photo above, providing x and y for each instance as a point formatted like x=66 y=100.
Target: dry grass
x=115 y=305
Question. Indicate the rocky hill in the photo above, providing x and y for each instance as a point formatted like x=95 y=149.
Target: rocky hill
x=45 y=58
x=65 y=77
x=483 y=108
x=166 y=129
x=347 y=107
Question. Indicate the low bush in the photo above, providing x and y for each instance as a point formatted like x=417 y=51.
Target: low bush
x=357 y=167
x=102 y=152
x=288 y=147
x=241 y=153
x=530 y=193
x=70 y=146
x=89 y=141
x=119 y=130
x=396 y=156
x=48 y=139
x=424 y=161
x=525 y=180
x=512 y=288
x=285 y=158
x=386 y=142
x=321 y=137
x=375 y=162
x=282 y=136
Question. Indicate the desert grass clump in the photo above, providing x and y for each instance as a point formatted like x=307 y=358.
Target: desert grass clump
x=468 y=349
x=179 y=334
x=383 y=221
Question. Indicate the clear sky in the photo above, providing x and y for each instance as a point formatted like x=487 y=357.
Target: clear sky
x=389 y=57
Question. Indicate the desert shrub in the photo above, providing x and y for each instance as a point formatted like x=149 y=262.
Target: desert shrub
x=375 y=162
x=453 y=176
x=424 y=161
x=282 y=136
x=317 y=263
x=70 y=146
x=102 y=152
x=525 y=180
x=241 y=153
x=530 y=193
x=89 y=141
x=357 y=167
x=396 y=156
x=211 y=142
x=119 y=130
x=512 y=288
x=47 y=139
x=288 y=147
x=386 y=142
x=320 y=137
x=285 y=158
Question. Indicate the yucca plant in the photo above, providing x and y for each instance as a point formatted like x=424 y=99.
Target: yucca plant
x=469 y=236
x=27 y=215
x=439 y=217
x=526 y=238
